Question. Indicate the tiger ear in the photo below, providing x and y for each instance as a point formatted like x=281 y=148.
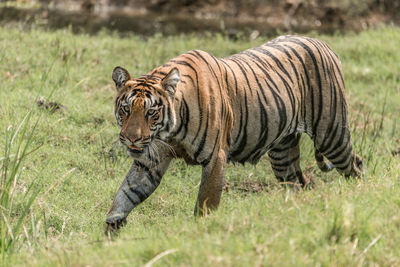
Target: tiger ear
x=170 y=81
x=120 y=77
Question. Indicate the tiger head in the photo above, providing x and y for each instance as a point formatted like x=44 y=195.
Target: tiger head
x=144 y=108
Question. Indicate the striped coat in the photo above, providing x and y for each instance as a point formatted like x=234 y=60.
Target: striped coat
x=210 y=111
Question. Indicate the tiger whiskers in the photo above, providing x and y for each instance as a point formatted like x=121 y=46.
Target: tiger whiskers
x=153 y=152
x=170 y=148
x=156 y=153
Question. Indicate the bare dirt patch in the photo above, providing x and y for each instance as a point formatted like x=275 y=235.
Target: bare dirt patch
x=247 y=187
x=49 y=105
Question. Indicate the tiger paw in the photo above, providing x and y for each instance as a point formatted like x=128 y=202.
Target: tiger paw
x=112 y=226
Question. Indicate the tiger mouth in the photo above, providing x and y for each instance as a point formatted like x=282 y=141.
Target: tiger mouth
x=135 y=149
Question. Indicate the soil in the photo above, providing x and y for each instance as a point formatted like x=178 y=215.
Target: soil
x=246 y=187
x=49 y=105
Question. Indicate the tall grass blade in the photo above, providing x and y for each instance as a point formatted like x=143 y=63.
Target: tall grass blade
x=16 y=150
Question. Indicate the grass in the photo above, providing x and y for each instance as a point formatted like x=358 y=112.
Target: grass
x=15 y=209
x=80 y=164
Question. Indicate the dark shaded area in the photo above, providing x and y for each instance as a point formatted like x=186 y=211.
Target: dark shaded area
x=246 y=187
x=49 y=105
x=148 y=24
x=248 y=17
x=396 y=152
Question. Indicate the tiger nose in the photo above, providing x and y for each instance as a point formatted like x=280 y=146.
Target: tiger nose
x=134 y=139
x=123 y=136
x=143 y=139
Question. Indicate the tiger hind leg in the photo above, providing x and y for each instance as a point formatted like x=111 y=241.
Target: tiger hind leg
x=285 y=161
x=339 y=151
x=322 y=165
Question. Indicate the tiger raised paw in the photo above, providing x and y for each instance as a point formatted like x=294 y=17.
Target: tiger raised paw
x=211 y=111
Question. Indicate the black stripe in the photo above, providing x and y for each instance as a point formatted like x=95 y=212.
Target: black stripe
x=338 y=143
x=244 y=72
x=339 y=153
x=202 y=141
x=313 y=58
x=129 y=197
x=275 y=157
x=305 y=72
x=332 y=104
x=169 y=121
x=159 y=72
x=288 y=88
x=208 y=159
x=243 y=140
x=263 y=133
x=187 y=117
x=327 y=142
x=298 y=77
x=184 y=63
x=233 y=74
x=277 y=169
x=277 y=98
x=286 y=163
x=146 y=169
x=210 y=67
x=342 y=161
x=276 y=60
x=139 y=193
x=184 y=119
x=318 y=156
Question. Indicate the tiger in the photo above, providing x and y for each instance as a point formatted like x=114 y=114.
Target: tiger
x=211 y=111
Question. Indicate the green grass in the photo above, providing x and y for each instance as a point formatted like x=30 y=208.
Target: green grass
x=80 y=164
x=17 y=142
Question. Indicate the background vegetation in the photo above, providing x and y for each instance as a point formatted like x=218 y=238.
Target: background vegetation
x=74 y=164
x=249 y=17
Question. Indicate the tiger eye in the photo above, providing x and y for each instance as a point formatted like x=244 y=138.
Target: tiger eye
x=126 y=109
x=151 y=112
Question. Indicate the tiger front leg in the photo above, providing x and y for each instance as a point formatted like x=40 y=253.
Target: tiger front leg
x=139 y=184
x=211 y=185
